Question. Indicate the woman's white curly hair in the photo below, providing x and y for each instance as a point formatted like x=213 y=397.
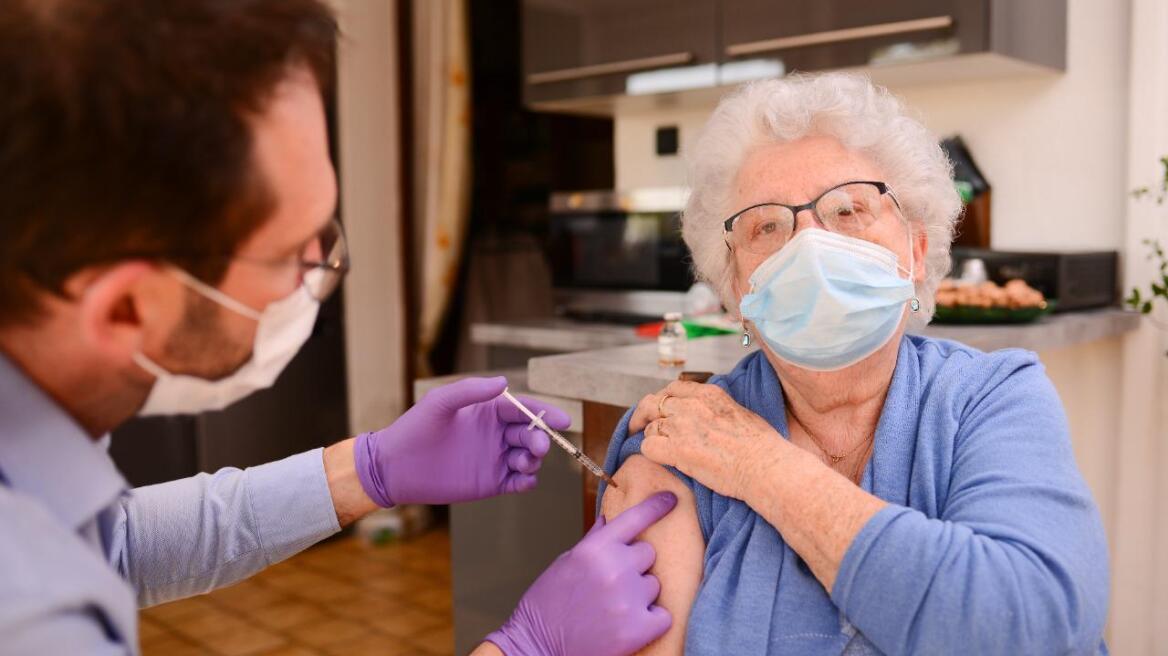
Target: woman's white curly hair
x=847 y=107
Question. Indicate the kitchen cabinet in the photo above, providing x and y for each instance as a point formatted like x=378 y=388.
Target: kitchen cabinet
x=584 y=56
x=588 y=48
x=813 y=35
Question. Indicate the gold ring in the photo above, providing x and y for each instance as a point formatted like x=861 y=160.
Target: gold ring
x=661 y=405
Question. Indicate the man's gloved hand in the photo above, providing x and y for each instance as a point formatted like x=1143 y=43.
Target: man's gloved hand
x=461 y=442
x=596 y=598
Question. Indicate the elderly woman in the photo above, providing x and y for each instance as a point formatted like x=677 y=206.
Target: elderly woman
x=848 y=488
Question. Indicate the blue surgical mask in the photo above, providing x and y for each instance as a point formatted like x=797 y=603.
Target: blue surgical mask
x=825 y=301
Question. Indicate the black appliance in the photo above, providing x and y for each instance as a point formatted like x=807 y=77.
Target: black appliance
x=618 y=257
x=1076 y=279
x=618 y=241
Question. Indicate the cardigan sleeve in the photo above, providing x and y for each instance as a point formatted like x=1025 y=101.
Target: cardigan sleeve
x=1017 y=560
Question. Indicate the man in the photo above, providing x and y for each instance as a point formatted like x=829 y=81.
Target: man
x=165 y=241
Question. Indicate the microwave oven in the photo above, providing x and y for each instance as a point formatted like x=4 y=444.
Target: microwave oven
x=628 y=241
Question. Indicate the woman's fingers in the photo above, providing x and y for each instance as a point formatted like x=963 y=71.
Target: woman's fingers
x=669 y=401
x=662 y=439
x=645 y=412
x=687 y=388
x=657 y=448
x=654 y=428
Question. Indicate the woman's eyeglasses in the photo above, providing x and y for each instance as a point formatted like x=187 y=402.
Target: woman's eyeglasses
x=848 y=209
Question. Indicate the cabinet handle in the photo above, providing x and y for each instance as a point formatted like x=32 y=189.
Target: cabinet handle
x=840 y=36
x=596 y=70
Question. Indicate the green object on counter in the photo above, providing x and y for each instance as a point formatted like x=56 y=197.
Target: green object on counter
x=695 y=330
x=964 y=314
x=964 y=189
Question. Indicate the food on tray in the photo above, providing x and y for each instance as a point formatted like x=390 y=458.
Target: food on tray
x=1015 y=294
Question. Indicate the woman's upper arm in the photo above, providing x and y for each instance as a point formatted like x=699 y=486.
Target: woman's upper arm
x=677 y=539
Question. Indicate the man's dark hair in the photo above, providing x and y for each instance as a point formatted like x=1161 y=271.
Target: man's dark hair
x=124 y=130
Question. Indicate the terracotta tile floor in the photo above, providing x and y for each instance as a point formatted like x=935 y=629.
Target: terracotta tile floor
x=340 y=597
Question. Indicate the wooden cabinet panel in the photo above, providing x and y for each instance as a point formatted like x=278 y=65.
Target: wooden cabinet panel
x=581 y=48
x=579 y=54
x=817 y=35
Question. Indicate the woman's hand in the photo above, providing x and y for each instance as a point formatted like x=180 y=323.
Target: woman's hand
x=706 y=434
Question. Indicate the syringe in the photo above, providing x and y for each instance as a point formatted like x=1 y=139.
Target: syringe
x=537 y=421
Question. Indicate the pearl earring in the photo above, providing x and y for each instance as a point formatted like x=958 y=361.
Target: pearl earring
x=745 y=336
x=915 y=304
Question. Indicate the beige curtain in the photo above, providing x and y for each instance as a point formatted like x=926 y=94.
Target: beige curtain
x=441 y=166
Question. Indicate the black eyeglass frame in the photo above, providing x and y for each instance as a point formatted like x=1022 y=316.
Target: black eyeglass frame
x=882 y=187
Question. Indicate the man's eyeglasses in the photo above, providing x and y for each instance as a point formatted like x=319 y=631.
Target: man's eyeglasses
x=323 y=262
x=848 y=209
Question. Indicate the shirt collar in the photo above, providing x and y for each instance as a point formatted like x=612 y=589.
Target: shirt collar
x=45 y=454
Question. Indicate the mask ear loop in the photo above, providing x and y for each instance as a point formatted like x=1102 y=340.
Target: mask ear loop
x=214 y=294
x=914 y=303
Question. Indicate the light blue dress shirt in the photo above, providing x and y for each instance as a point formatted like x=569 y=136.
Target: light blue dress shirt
x=80 y=551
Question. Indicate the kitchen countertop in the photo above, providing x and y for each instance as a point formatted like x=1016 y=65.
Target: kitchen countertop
x=622 y=375
x=554 y=334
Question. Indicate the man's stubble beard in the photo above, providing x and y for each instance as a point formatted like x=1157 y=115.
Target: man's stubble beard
x=199 y=346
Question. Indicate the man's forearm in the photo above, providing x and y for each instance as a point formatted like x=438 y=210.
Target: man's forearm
x=349 y=498
x=195 y=534
x=817 y=511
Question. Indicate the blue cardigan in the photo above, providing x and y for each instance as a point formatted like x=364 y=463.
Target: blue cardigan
x=991 y=543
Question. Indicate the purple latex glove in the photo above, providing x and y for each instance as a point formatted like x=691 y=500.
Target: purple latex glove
x=595 y=599
x=461 y=442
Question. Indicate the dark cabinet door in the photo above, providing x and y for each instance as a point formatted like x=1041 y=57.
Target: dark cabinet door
x=586 y=48
x=817 y=34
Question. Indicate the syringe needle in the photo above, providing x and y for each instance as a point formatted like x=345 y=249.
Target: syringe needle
x=563 y=442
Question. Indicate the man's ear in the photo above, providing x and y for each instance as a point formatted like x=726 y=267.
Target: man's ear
x=110 y=307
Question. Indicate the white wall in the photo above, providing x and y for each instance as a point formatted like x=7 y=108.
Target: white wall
x=1140 y=553
x=634 y=142
x=1056 y=150
x=369 y=145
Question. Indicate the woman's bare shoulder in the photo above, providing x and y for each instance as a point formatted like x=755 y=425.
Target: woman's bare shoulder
x=677 y=539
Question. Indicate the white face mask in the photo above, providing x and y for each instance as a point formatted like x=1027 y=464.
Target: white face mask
x=284 y=326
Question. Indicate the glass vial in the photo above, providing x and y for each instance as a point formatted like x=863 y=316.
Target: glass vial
x=671 y=341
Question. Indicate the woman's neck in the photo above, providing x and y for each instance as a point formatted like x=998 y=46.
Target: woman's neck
x=838 y=408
